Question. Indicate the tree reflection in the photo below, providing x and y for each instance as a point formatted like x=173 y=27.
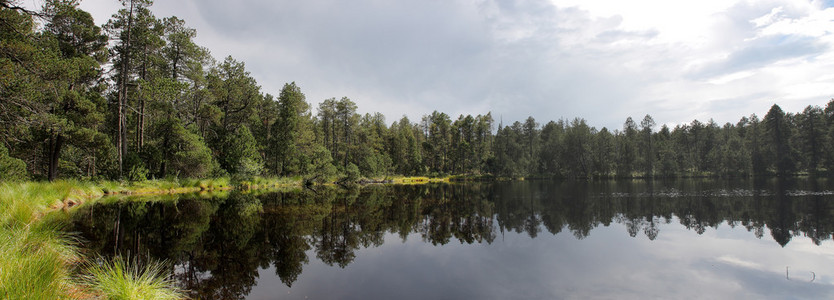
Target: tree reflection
x=218 y=243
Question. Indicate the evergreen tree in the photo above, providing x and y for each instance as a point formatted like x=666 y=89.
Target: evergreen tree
x=190 y=157
x=235 y=95
x=288 y=131
x=604 y=152
x=438 y=141
x=627 y=141
x=242 y=157
x=404 y=149
x=812 y=135
x=371 y=155
x=530 y=142
x=550 y=156
x=828 y=146
x=51 y=93
x=647 y=146
x=577 y=156
x=666 y=164
x=121 y=27
x=779 y=150
x=756 y=142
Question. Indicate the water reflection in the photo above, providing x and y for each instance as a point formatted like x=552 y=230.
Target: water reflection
x=219 y=243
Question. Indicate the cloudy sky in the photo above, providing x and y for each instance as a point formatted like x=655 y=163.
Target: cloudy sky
x=599 y=60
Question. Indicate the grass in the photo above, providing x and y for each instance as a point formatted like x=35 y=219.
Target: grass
x=124 y=279
x=35 y=263
x=418 y=180
x=24 y=203
x=38 y=259
x=208 y=184
x=258 y=182
x=36 y=256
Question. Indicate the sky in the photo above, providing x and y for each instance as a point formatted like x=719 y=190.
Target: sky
x=599 y=60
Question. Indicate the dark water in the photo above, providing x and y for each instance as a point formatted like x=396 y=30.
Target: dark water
x=686 y=239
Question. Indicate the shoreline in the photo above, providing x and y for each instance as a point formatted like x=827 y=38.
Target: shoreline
x=31 y=209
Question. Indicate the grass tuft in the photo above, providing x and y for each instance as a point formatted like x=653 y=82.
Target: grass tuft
x=121 y=279
x=34 y=262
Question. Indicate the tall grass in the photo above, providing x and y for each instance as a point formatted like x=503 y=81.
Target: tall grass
x=35 y=263
x=258 y=182
x=38 y=258
x=418 y=180
x=23 y=203
x=124 y=279
x=208 y=183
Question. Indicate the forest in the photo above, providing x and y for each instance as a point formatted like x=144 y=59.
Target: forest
x=138 y=99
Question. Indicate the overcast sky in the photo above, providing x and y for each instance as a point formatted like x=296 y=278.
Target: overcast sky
x=599 y=60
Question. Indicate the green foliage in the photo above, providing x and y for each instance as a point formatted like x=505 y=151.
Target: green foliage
x=290 y=144
x=577 y=156
x=137 y=172
x=175 y=111
x=243 y=158
x=352 y=174
x=404 y=147
x=779 y=150
x=338 y=123
x=191 y=157
x=812 y=138
x=322 y=165
x=11 y=169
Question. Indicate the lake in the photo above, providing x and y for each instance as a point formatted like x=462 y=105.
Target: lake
x=633 y=239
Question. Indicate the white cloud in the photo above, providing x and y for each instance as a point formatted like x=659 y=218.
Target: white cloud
x=600 y=60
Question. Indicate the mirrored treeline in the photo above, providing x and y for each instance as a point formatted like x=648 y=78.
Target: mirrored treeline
x=216 y=243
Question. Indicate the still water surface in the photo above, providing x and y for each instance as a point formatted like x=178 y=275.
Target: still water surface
x=690 y=239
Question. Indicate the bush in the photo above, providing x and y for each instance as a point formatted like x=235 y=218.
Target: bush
x=192 y=158
x=11 y=168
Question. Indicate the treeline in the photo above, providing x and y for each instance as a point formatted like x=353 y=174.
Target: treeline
x=140 y=99
x=780 y=144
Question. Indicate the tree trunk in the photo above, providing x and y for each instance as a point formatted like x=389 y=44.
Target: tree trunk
x=140 y=126
x=175 y=62
x=121 y=143
x=56 y=141
x=163 y=167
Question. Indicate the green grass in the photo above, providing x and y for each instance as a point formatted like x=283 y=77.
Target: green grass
x=418 y=180
x=24 y=203
x=121 y=279
x=269 y=182
x=35 y=263
x=38 y=259
x=207 y=184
